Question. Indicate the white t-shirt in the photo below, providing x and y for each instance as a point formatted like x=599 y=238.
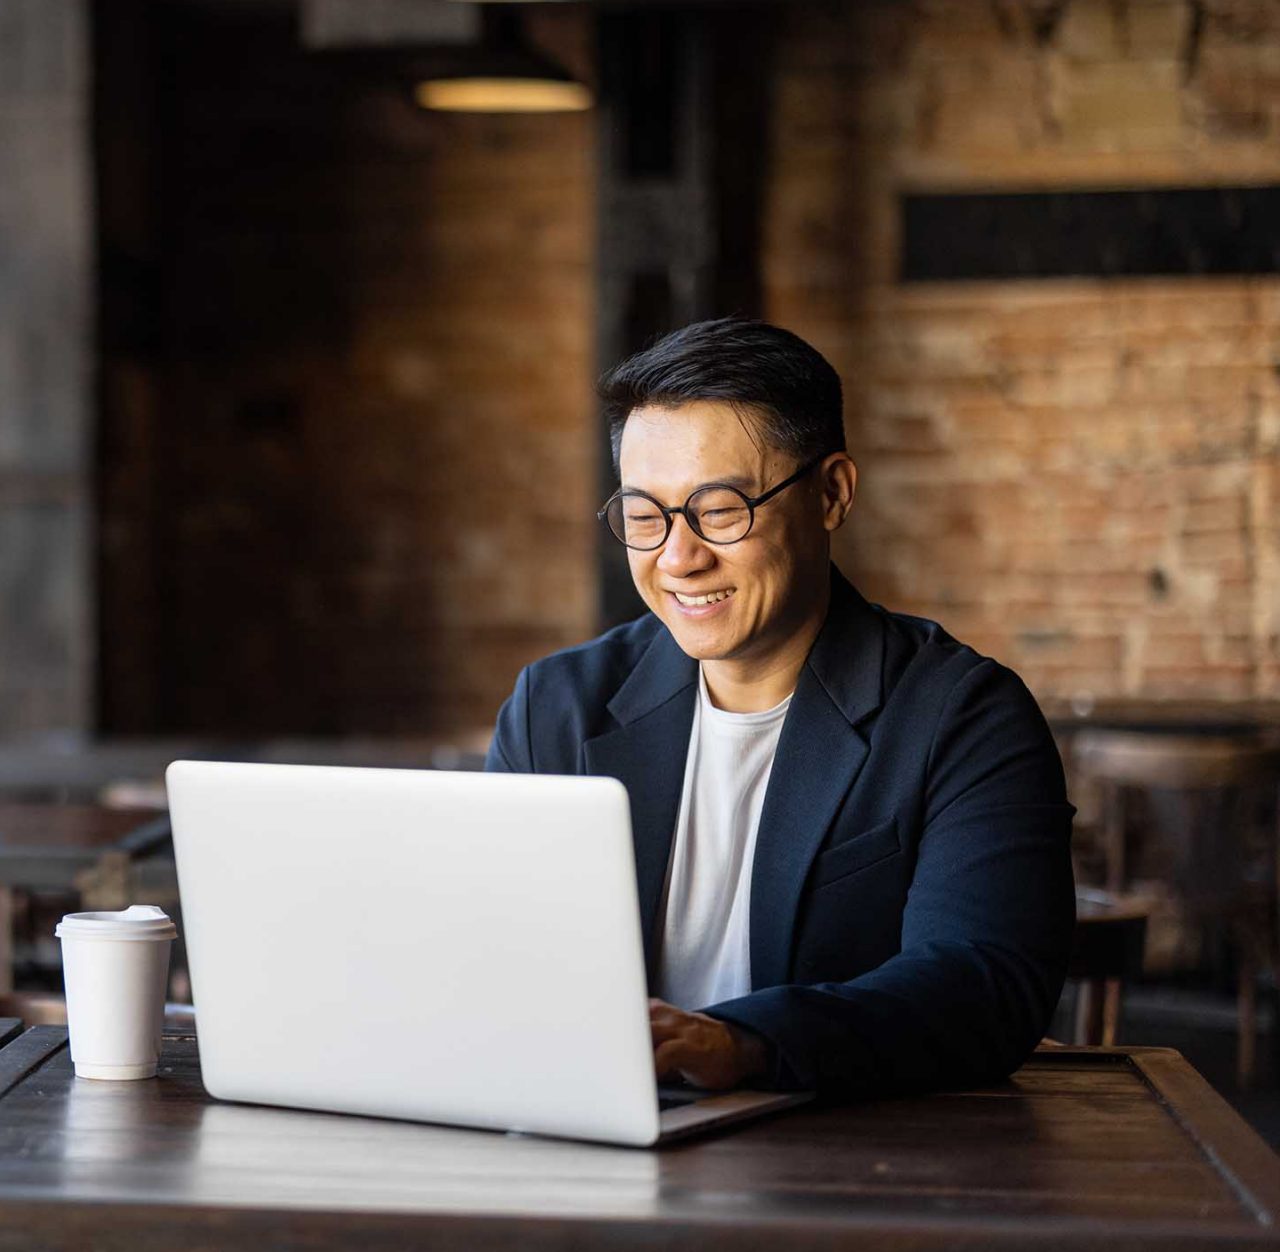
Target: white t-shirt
x=706 y=940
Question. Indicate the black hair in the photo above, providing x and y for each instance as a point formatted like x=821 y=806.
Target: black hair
x=783 y=389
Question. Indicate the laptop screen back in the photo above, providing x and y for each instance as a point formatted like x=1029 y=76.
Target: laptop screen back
x=453 y=947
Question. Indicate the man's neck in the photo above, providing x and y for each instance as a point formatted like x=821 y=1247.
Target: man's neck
x=751 y=685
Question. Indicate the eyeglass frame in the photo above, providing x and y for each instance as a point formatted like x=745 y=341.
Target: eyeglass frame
x=668 y=513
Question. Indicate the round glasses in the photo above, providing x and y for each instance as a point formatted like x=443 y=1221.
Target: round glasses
x=716 y=513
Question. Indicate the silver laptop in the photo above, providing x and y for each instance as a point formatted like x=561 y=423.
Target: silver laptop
x=461 y=948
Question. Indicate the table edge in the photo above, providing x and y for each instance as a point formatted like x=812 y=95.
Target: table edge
x=1232 y=1147
x=115 y=1223
x=1237 y=1152
x=27 y=1052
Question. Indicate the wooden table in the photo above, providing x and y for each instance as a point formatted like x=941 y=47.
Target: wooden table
x=1081 y=1149
x=1196 y=717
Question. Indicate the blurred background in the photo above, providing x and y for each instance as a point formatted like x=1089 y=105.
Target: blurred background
x=299 y=457
x=296 y=423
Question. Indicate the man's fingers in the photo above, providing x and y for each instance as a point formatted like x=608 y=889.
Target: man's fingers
x=700 y=1049
x=678 y=1059
x=669 y=1056
x=665 y=1028
x=665 y=1020
x=695 y=1047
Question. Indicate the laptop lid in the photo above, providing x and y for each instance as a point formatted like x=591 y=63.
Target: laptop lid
x=450 y=947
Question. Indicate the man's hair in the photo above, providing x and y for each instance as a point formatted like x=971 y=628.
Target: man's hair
x=784 y=391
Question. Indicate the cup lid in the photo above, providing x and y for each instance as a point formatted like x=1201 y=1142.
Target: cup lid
x=138 y=921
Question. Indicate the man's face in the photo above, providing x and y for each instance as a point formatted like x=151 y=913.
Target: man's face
x=766 y=585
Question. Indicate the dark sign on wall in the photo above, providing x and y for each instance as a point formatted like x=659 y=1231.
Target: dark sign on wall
x=1217 y=230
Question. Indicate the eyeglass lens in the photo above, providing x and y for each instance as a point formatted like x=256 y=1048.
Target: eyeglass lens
x=717 y=514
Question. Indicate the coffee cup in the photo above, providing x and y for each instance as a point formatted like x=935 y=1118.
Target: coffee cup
x=115 y=967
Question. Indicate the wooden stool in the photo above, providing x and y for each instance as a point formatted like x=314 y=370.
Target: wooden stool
x=1110 y=935
x=1219 y=836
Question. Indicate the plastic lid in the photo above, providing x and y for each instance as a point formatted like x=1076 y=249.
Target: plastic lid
x=138 y=921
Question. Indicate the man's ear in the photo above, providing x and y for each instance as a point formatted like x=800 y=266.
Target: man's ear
x=839 y=483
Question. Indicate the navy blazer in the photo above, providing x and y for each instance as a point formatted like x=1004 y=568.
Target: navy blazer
x=912 y=900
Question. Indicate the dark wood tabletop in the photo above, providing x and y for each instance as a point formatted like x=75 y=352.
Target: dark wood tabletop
x=1080 y=1149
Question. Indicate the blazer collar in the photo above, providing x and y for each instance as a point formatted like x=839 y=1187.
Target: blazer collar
x=647 y=753
x=662 y=672
x=820 y=754
x=847 y=658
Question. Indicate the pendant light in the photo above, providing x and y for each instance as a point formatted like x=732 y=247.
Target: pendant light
x=503 y=73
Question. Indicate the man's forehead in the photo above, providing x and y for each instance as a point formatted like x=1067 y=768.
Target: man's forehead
x=699 y=442
x=661 y=474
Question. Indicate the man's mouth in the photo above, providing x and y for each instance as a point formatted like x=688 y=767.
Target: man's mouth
x=711 y=597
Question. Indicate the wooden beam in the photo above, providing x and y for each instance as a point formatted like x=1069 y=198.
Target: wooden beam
x=682 y=109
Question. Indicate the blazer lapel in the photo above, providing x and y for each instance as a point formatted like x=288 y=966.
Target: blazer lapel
x=820 y=753
x=647 y=754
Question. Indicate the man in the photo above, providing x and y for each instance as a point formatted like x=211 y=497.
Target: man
x=851 y=831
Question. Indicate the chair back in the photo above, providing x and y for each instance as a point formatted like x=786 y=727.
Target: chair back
x=1177 y=762
x=1198 y=814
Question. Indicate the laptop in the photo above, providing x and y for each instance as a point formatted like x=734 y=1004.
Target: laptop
x=461 y=948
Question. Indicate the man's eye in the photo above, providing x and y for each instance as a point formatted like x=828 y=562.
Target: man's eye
x=721 y=517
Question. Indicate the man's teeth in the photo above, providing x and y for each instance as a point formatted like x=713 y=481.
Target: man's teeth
x=712 y=597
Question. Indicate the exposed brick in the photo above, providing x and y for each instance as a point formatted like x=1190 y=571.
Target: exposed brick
x=1214 y=515
x=1093 y=458
x=383 y=497
x=1081 y=477
x=1163 y=651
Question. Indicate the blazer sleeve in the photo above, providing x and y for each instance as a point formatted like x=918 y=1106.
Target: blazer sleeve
x=511 y=748
x=986 y=929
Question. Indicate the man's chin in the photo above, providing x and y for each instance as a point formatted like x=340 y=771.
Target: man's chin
x=700 y=644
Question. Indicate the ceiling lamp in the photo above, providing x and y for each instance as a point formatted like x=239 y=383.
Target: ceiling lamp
x=503 y=73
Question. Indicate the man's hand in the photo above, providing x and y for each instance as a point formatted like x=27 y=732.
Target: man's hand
x=702 y=1050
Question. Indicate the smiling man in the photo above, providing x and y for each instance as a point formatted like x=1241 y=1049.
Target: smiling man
x=851 y=830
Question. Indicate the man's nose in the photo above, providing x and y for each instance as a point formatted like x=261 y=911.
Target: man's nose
x=684 y=553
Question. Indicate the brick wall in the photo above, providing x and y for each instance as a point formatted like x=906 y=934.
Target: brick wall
x=1081 y=477
x=368 y=418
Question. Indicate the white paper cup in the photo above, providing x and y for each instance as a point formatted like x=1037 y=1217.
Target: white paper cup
x=115 y=967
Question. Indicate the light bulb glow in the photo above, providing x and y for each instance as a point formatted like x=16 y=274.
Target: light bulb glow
x=502 y=95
